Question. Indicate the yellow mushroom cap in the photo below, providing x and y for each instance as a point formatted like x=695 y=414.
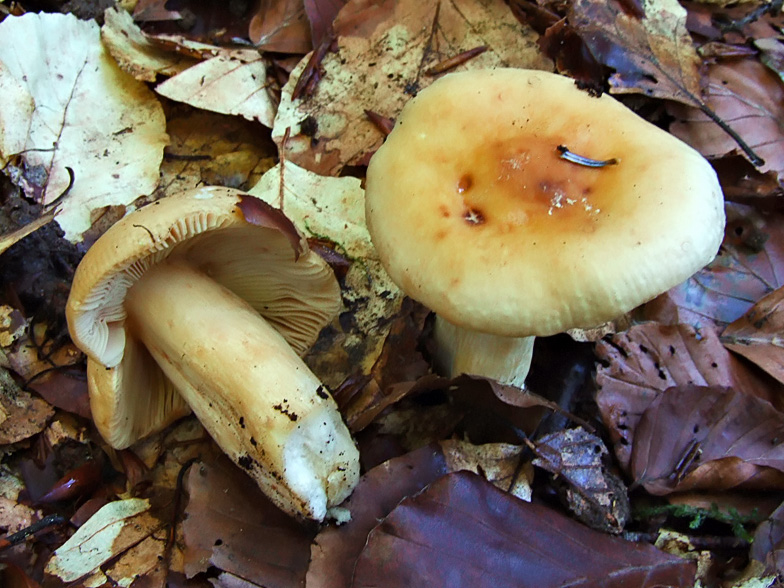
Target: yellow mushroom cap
x=476 y=214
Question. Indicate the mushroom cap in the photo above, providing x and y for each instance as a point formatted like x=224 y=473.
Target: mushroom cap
x=240 y=242
x=474 y=212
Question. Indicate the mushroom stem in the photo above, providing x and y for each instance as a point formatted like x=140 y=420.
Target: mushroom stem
x=464 y=351
x=250 y=390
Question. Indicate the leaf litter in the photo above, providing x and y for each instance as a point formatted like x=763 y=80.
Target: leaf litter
x=375 y=356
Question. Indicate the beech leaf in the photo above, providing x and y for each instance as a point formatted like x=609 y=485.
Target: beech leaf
x=433 y=539
x=641 y=363
x=759 y=334
x=382 y=52
x=749 y=265
x=750 y=98
x=89 y=116
x=697 y=437
x=231 y=525
x=651 y=53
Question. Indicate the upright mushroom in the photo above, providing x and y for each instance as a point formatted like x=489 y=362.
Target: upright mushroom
x=206 y=300
x=514 y=205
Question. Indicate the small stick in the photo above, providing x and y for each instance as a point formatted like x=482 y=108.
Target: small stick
x=584 y=161
x=19 y=536
x=454 y=61
x=382 y=123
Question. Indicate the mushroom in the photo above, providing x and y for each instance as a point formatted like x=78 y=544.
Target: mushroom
x=515 y=205
x=206 y=300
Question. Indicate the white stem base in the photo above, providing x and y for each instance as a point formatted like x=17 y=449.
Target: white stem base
x=249 y=389
x=463 y=351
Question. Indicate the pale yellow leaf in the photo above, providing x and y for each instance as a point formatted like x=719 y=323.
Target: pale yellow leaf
x=105 y=535
x=234 y=82
x=89 y=116
x=135 y=53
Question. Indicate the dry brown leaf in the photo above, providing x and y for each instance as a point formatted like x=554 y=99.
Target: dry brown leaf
x=232 y=82
x=232 y=526
x=698 y=437
x=22 y=415
x=89 y=116
x=759 y=334
x=280 y=26
x=749 y=266
x=747 y=96
x=382 y=53
x=135 y=53
x=641 y=363
x=651 y=51
x=579 y=461
x=462 y=530
x=498 y=463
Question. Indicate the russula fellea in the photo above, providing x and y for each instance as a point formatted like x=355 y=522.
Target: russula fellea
x=515 y=205
x=207 y=299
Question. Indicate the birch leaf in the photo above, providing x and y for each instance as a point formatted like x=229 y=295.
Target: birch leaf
x=89 y=116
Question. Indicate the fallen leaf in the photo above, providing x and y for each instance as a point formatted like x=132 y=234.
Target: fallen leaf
x=579 y=461
x=749 y=265
x=382 y=51
x=22 y=415
x=233 y=82
x=772 y=54
x=432 y=538
x=641 y=363
x=498 y=463
x=768 y=544
x=280 y=26
x=335 y=549
x=215 y=150
x=232 y=526
x=108 y=533
x=747 y=96
x=135 y=53
x=698 y=437
x=321 y=13
x=757 y=335
x=333 y=209
x=89 y=116
x=650 y=51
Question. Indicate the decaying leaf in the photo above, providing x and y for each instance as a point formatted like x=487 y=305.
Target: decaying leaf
x=213 y=149
x=434 y=537
x=498 y=463
x=89 y=116
x=232 y=526
x=759 y=334
x=648 y=46
x=135 y=53
x=333 y=209
x=22 y=415
x=750 y=98
x=335 y=549
x=749 y=265
x=768 y=544
x=579 y=460
x=641 y=363
x=280 y=26
x=111 y=531
x=698 y=437
x=382 y=53
x=233 y=82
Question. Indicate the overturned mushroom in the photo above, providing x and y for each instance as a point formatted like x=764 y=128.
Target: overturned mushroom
x=206 y=300
x=515 y=205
